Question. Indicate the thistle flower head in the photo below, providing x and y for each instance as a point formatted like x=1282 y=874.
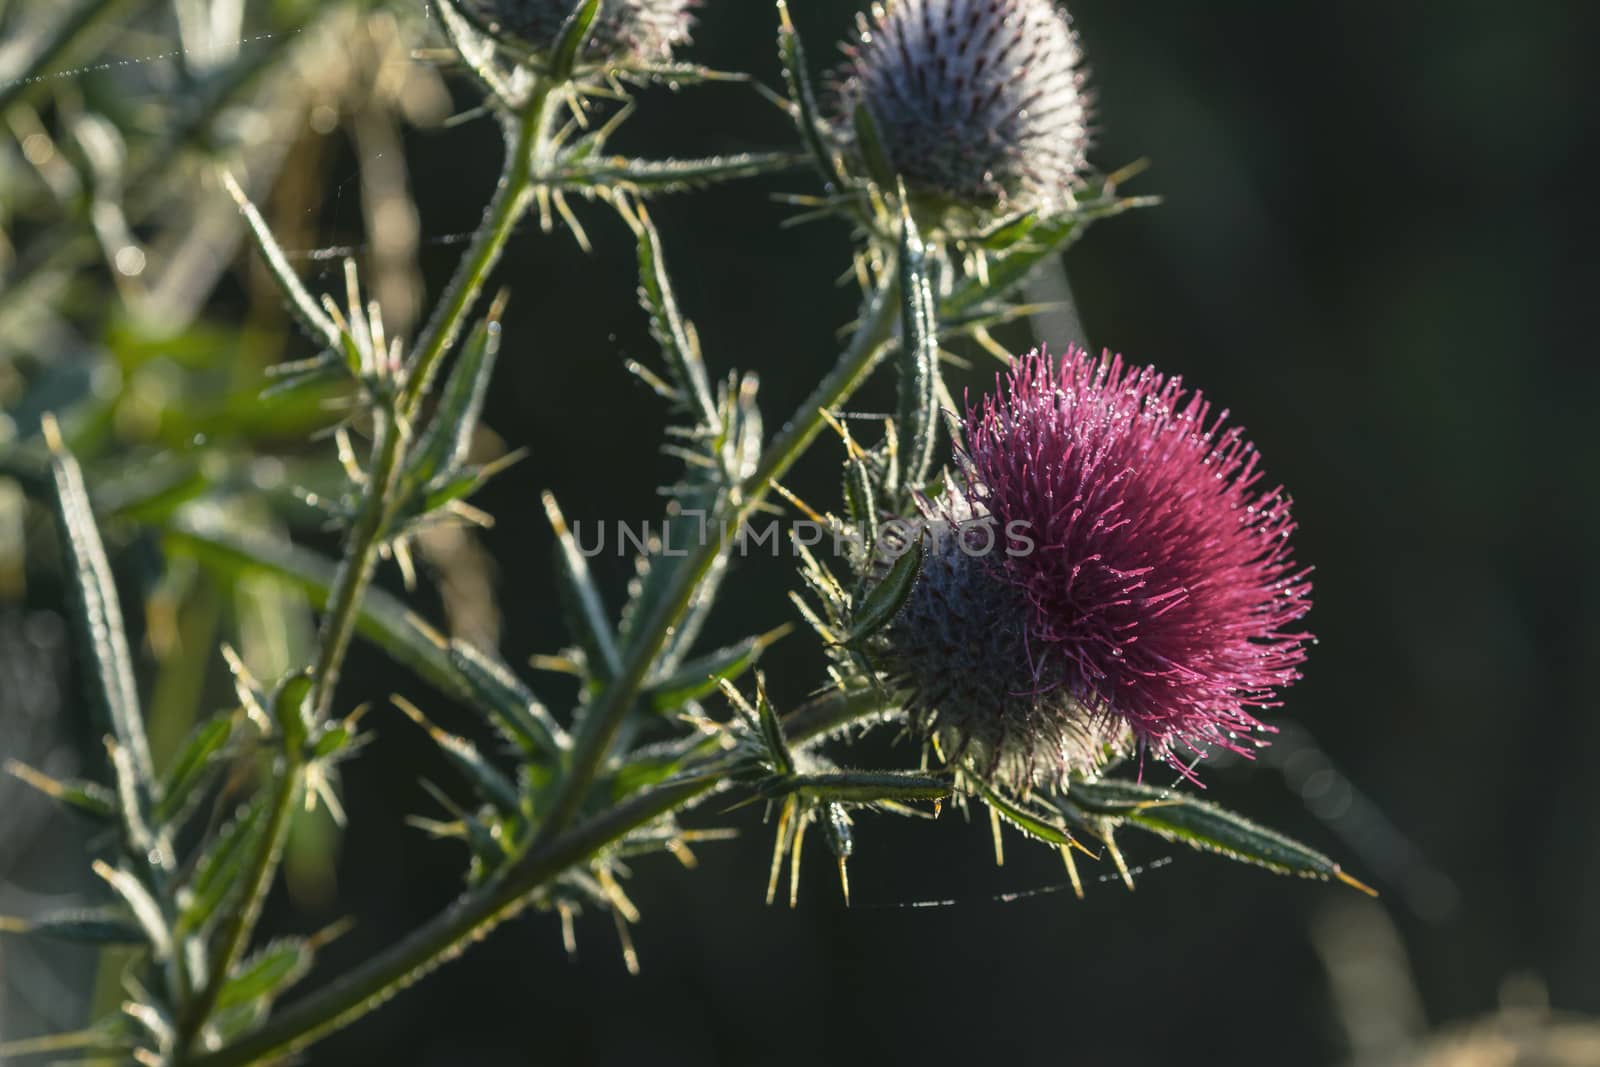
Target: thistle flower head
x=624 y=30
x=1157 y=597
x=977 y=102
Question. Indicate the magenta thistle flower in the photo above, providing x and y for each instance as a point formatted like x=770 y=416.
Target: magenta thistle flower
x=1156 y=601
x=978 y=102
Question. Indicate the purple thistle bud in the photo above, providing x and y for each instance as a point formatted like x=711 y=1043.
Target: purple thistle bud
x=624 y=30
x=978 y=102
x=1149 y=589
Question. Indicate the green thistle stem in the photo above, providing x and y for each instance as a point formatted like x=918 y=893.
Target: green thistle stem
x=526 y=150
x=475 y=913
x=235 y=934
x=357 y=567
x=505 y=210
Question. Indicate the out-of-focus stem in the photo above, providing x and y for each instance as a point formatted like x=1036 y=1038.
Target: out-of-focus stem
x=605 y=714
x=478 y=911
x=70 y=241
x=56 y=47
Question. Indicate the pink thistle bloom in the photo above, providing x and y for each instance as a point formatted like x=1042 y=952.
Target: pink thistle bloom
x=1155 y=604
x=1162 y=576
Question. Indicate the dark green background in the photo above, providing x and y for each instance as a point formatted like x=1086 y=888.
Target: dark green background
x=1367 y=252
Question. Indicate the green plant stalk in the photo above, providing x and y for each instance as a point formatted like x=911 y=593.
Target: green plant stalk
x=360 y=561
x=605 y=715
x=357 y=566
x=525 y=154
x=235 y=933
x=476 y=912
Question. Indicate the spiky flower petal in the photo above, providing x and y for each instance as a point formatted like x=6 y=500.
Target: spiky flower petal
x=1158 y=595
x=624 y=30
x=978 y=102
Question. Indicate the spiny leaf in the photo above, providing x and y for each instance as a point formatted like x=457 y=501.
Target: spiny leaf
x=806 y=114
x=307 y=311
x=476 y=49
x=463 y=482
x=988 y=317
x=574 y=35
x=870 y=145
x=1007 y=232
x=885 y=599
x=99 y=926
x=730 y=459
x=443 y=447
x=586 y=614
x=861 y=502
x=194 y=762
x=1044 y=239
x=834 y=708
x=288 y=378
x=762 y=720
x=836 y=827
x=677 y=74
x=217 y=874
x=98 y=613
x=648 y=177
x=1203 y=825
x=699 y=677
x=291 y=710
x=1049 y=237
x=267 y=973
x=487 y=780
x=919 y=360
x=142 y=903
x=89 y=798
x=515 y=711
x=686 y=527
x=772 y=729
x=671 y=331
x=332 y=741
x=859 y=787
x=1033 y=824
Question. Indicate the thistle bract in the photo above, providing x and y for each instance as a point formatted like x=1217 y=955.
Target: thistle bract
x=977 y=102
x=1142 y=586
x=624 y=30
x=959 y=652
